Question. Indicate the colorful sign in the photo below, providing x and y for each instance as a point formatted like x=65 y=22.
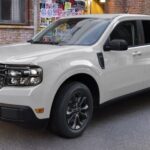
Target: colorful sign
x=67 y=5
x=51 y=10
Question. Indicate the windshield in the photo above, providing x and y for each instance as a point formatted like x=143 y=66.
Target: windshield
x=74 y=31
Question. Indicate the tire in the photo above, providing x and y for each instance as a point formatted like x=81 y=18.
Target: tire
x=73 y=109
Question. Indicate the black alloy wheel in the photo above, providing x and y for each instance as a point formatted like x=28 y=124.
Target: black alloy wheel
x=72 y=110
x=77 y=111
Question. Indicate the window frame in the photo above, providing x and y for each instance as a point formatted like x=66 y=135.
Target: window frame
x=143 y=33
x=139 y=31
x=26 y=22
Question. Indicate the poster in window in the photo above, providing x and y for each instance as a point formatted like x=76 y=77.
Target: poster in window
x=51 y=10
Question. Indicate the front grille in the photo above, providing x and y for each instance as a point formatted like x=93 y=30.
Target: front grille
x=2 y=70
x=3 y=74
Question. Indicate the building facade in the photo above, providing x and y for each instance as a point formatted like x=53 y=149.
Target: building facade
x=16 y=20
x=128 y=6
x=21 y=19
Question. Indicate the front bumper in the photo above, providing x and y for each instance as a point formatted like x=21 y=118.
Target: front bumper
x=32 y=97
x=21 y=114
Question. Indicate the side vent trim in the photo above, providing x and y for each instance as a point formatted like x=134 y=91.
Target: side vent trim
x=101 y=60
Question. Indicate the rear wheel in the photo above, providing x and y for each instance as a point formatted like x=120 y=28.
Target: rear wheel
x=72 y=110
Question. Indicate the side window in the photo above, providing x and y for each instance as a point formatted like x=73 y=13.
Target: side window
x=126 y=31
x=146 y=28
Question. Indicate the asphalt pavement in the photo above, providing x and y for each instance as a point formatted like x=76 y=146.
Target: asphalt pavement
x=120 y=125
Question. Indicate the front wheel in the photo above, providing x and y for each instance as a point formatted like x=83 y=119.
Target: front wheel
x=73 y=109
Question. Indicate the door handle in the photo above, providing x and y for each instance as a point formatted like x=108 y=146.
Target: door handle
x=137 y=53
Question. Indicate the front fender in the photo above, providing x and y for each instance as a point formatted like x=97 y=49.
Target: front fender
x=80 y=69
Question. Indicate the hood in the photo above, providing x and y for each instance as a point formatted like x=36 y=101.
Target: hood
x=27 y=52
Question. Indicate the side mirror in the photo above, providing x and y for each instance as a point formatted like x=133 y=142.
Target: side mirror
x=116 y=45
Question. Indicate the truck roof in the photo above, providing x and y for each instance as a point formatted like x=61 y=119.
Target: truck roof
x=110 y=16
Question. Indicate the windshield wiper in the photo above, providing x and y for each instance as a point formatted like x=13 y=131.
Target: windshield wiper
x=30 y=41
x=53 y=43
x=35 y=42
x=39 y=42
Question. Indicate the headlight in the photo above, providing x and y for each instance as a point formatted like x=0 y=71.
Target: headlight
x=23 y=75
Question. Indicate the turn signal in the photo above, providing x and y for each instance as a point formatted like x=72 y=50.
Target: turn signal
x=39 y=110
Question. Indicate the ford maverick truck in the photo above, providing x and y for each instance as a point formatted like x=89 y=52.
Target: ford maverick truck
x=72 y=66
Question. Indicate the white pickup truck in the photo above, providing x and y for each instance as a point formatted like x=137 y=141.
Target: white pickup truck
x=74 y=64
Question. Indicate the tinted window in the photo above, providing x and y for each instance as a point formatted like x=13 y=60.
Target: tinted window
x=6 y=6
x=146 y=27
x=13 y=11
x=126 y=31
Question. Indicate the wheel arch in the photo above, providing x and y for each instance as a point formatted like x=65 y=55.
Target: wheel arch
x=86 y=79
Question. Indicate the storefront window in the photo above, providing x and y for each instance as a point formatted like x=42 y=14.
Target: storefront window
x=51 y=10
x=13 y=11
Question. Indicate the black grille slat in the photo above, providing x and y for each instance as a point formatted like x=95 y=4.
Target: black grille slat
x=3 y=74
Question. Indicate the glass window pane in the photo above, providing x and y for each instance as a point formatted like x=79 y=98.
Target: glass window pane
x=6 y=7
x=12 y=11
x=126 y=31
x=146 y=25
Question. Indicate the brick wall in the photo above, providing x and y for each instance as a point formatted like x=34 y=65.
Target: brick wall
x=16 y=33
x=146 y=7
x=135 y=6
x=115 y=6
x=128 y=6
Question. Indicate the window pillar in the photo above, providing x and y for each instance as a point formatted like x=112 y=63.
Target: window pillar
x=15 y=11
x=35 y=6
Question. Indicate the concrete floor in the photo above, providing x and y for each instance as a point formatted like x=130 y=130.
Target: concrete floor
x=120 y=125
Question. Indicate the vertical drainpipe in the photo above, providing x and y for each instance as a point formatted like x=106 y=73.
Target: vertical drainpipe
x=91 y=6
x=35 y=12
